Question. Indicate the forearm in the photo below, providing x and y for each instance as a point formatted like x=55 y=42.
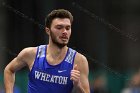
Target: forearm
x=80 y=89
x=9 y=79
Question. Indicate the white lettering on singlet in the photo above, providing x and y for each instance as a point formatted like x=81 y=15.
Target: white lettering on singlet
x=50 y=78
x=37 y=74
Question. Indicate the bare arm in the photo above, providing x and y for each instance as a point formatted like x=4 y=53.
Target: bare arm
x=80 y=76
x=16 y=64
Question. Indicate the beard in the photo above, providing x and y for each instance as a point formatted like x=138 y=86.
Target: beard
x=56 y=42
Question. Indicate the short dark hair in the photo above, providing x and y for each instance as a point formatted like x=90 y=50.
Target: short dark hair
x=59 y=13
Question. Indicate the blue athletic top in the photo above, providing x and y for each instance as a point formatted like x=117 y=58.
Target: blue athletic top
x=46 y=78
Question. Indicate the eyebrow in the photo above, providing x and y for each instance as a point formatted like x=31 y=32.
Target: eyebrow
x=63 y=25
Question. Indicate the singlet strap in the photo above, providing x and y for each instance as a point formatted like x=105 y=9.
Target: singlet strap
x=41 y=54
x=71 y=56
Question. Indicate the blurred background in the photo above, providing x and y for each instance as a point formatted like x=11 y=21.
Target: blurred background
x=107 y=32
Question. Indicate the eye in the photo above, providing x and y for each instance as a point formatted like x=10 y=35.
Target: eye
x=68 y=28
x=59 y=27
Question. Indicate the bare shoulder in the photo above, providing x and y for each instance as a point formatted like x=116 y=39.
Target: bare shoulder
x=27 y=54
x=81 y=61
x=24 y=58
x=80 y=58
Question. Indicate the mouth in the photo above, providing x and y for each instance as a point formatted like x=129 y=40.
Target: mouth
x=63 y=37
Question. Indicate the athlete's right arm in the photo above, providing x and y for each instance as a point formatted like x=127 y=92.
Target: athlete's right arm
x=16 y=64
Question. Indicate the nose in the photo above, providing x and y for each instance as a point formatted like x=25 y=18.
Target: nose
x=64 y=32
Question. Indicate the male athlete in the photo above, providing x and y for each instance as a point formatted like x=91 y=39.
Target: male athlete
x=54 y=68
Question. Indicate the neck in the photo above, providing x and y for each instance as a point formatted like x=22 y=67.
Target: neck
x=55 y=51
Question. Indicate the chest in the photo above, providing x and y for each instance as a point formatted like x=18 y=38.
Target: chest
x=60 y=69
x=54 y=61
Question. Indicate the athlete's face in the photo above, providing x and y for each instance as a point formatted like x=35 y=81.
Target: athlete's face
x=60 y=31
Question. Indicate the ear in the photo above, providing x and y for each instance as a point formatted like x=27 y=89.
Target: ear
x=47 y=30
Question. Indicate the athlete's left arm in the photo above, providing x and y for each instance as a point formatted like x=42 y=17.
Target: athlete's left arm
x=81 y=65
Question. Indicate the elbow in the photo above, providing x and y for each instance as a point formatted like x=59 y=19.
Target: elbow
x=8 y=70
x=8 y=74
